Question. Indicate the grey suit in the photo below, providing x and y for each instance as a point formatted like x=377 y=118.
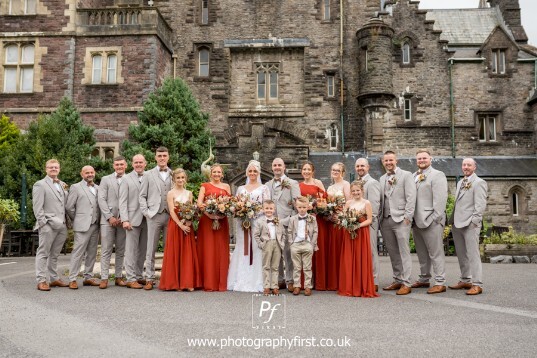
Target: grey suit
x=284 y=200
x=397 y=203
x=136 y=239
x=470 y=205
x=372 y=193
x=429 y=221
x=108 y=199
x=83 y=209
x=154 y=207
x=48 y=201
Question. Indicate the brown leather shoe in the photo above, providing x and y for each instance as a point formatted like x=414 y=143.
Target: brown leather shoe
x=461 y=285
x=307 y=292
x=394 y=286
x=376 y=288
x=90 y=282
x=134 y=284
x=266 y=291
x=404 y=290
x=43 y=286
x=474 y=290
x=419 y=284
x=282 y=285
x=103 y=284
x=276 y=291
x=148 y=285
x=73 y=285
x=291 y=288
x=120 y=282
x=436 y=289
x=58 y=283
x=296 y=291
x=142 y=281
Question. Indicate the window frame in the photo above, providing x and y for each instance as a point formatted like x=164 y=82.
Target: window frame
x=499 y=61
x=204 y=12
x=333 y=137
x=19 y=68
x=265 y=74
x=26 y=12
x=326 y=10
x=405 y=52
x=483 y=130
x=407 y=109
x=201 y=50
x=108 y=68
x=97 y=80
x=330 y=87
x=515 y=203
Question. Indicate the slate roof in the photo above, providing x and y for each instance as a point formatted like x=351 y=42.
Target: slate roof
x=466 y=26
x=487 y=167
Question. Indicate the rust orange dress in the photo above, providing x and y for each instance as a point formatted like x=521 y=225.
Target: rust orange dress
x=213 y=247
x=356 y=269
x=319 y=264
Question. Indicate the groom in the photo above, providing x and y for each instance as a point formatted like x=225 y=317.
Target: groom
x=284 y=191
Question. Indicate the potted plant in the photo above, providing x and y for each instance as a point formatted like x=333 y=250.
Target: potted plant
x=9 y=214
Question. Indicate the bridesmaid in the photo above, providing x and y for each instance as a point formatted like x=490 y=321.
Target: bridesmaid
x=213 y=245
x=339 y=188
x=180 y=267
x=356 y=270
x=315 y=188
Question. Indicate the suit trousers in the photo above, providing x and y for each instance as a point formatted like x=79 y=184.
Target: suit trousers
x=286 y=273
x=46 y=259
x=135 y=251
x=430 y=248
x=466 y=241
x=155 y=225
x=373 y=235
x=301 y=254
x=85 y=247
x=272 y=254
x=396 y=236
x=110 y=236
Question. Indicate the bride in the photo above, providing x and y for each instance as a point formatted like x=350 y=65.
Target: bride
x=246 y=270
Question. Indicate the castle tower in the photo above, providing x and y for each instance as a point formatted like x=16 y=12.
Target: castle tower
x=510 y=10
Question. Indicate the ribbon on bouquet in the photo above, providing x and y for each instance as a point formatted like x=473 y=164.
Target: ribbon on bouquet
x=247 y=233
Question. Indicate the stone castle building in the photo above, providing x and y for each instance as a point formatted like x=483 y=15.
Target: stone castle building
x=324 y=80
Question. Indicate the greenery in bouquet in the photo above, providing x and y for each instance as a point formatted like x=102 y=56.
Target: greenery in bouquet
x=218 y=205
x=350 y=220
x=187 y=211
x=244 y=208
x=330 y=206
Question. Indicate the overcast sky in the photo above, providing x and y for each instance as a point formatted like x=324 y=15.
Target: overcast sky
x=528 y=9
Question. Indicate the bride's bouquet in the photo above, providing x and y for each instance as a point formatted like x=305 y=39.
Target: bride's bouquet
x=218 y=205
x=187 y=211
x=244 y=208
x=327 y=207
x=350 y=220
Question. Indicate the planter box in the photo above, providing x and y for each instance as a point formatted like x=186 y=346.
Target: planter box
x=491 y=250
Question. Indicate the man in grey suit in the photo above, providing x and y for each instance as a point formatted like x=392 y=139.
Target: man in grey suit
x=284 y=191
x=134 y=223
x=155 y=188
x=112 y=232
x=397 y=203
x=83 y=209
x=429 y=221
x=48 y=200
x=371 y=193
x=470 y=204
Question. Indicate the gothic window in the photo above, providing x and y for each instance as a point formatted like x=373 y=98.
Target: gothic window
x=517 y=201
x=330 y=86
x=488 y=124
x=405 y=53
x=498 y=61
x=267 y=81
x=203 y=62
x=19 y=68
x=326 y=10
x=333 y=134
x=204 y=12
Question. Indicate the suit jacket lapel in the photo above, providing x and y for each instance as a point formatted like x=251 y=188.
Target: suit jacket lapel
x=156 y=175
x=88 y=192
x=52 y=187
x=116 y=186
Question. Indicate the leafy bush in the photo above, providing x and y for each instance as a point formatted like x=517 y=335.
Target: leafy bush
x=511 y=237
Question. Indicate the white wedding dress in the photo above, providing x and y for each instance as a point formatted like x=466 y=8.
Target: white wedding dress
x=241 y=275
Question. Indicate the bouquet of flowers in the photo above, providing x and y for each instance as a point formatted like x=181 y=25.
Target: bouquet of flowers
x=330 y=206
x=312 y=204
x=244 y=208
x=350 y=220
x=218 y=205
x=188 y=211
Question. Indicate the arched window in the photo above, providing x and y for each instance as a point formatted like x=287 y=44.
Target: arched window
x=406 y=53
x=111 y=69
x=517 y=201
x=267 y=81
x=97 y=68
x=203 y=62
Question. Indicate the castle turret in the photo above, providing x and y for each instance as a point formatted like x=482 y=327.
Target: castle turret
x=510 y=10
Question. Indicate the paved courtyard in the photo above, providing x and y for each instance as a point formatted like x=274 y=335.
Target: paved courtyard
x=120 y=322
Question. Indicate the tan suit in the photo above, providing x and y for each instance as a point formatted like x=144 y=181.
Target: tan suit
x=372 y=193
x=136 y=239
x=302 y=251
x=48 y=202
x=108 y=199
x=284 y=200
x=83 y=209
x=397 y=202
x=470 y=204
x=429 y=221
x=271 y=249
x=154 y=206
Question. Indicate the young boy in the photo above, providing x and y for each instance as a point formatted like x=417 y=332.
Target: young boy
x=302 y=236
x=268 y=233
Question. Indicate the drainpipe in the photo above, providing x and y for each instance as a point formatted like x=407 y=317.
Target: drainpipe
x=451 y=62
x=341 y=76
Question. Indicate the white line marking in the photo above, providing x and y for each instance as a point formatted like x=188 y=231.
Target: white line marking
x=8 y=263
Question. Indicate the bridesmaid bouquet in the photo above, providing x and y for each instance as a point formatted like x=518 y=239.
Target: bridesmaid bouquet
x=312 y=204
x=218 y=205
x=330 y=206
x=187 y=211
x=244 y=208
x=350 y=220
